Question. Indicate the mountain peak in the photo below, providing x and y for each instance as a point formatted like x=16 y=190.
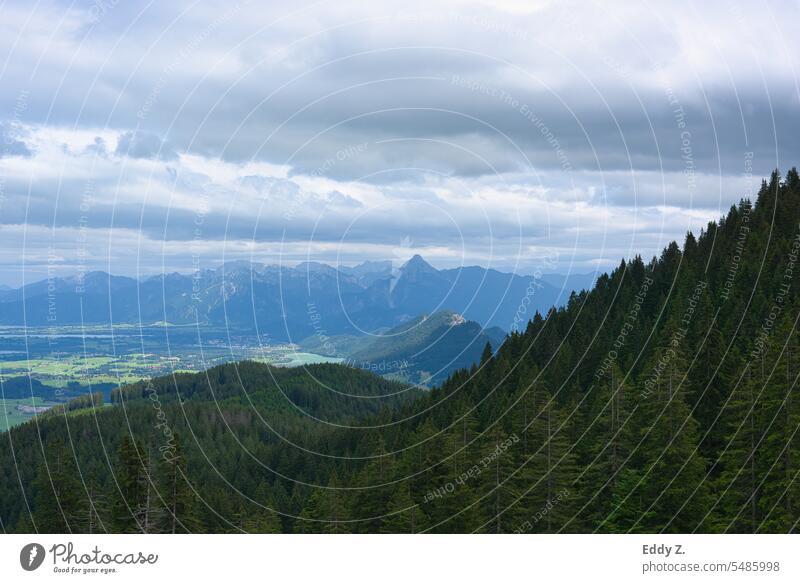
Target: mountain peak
x=315 y=267
x=417 y=263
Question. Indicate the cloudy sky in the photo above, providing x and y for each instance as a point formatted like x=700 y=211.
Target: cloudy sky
x=140 y=137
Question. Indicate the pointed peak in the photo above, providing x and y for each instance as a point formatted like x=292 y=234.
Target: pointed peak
x=418 y=263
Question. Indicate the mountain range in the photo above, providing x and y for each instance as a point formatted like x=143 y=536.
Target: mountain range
x=284 y=303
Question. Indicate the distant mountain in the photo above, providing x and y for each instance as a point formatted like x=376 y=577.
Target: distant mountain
x=425 y=350
x=286 y=303
x=339 y=346
x=428 y=349
x=369 y=272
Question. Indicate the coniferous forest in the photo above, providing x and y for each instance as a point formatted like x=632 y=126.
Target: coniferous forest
x=662 y=400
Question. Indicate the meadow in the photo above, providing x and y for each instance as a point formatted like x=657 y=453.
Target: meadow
x=11 y=416
x=73 y=361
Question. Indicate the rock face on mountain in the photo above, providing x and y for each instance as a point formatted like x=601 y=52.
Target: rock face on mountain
x=286 y=303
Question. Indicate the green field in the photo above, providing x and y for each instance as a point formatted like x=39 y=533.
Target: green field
x=299 y=359
x=129 y=368
x=63 y=371
x=10 y=416
x=59 y=371
x=77 y=367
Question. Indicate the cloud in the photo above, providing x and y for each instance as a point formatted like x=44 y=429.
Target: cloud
x=243 y=82
x=139 y=144
x=10 y=144
x=71 y=199
x=479 y=129
x=97 y=148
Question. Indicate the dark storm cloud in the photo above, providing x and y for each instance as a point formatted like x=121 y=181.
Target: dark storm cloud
x=493 y=85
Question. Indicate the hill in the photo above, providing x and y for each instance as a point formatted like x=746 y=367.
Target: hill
x=241 y=418
x=426 y=349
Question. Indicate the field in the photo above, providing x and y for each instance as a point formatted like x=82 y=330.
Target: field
x=99 y=359
x=62 y=370
x=11 y=416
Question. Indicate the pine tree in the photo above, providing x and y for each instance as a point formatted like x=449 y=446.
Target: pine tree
x=630 y=508
x=179 y=511
x=57 y=492
x=132 y=500
x=544 y=478
x=402 y=513
x=262 y=517
x=779 y=503
x=608 y=442
x=738 y=482
x=673 y=469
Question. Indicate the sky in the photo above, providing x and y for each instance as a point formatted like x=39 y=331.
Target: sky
x=147 y=137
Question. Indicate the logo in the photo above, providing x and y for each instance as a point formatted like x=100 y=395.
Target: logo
x=31 y=556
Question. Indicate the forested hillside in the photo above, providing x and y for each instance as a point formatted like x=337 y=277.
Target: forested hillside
x=663 y=400
x=425 y=350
